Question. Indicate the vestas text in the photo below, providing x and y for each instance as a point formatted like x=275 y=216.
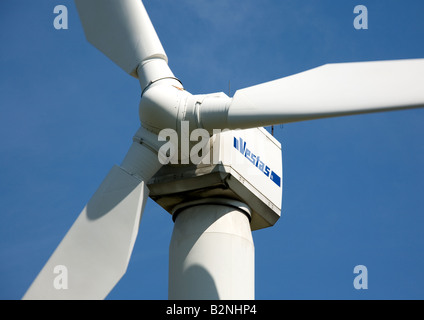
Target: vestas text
x=241 y=146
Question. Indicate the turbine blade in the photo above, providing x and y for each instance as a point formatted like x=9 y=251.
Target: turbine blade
x=96 y=250
x=122 y=30
x=327 y=91
x=94 y=254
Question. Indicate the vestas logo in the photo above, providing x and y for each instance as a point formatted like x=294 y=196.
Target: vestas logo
x=240 y=145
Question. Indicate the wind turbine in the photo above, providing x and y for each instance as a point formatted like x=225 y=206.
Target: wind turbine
x=97 y=248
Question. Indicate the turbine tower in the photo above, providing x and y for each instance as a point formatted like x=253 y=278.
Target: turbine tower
x=235 y=185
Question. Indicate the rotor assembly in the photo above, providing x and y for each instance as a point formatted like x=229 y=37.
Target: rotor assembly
x=235 y=185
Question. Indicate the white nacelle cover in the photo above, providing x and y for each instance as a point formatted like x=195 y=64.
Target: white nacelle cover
x=245 y=165
x=256 y=156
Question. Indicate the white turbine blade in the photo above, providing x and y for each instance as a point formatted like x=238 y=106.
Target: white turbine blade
x=122 y=30
x=96 y=250
x=327 y=91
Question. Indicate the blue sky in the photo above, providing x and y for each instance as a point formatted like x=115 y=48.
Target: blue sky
x=353 y=186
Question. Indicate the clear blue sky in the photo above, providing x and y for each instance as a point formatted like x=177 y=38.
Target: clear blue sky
x=353 y=187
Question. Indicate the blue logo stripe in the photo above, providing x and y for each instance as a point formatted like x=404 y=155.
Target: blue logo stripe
x=276 y=178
